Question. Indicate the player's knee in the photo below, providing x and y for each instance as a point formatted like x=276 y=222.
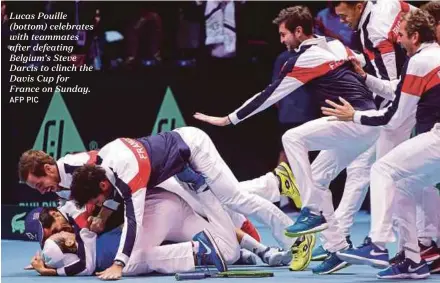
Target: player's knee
x=380 y=170
x=196 y=132
x=231 y=254
x=290 y=137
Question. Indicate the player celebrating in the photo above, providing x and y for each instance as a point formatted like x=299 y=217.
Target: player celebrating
x=398 y=173
x=41 y=172
x=133 y=165
x=324 y=72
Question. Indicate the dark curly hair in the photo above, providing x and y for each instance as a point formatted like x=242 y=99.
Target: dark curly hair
x=85 y=183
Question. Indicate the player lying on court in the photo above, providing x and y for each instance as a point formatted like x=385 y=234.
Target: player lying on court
x=218 y=246
x=40 y=171
x=182 y=223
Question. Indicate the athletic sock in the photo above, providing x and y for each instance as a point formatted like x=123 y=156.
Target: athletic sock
x=250 y=244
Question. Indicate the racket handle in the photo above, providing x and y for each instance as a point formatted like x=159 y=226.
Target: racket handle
x=190 y=276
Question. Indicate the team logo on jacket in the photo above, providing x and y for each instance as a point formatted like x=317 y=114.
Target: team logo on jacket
x=136 y=147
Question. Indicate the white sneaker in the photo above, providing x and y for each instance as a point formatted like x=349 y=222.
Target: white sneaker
x=276 y=257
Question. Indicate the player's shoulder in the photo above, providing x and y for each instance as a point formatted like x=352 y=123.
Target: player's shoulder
x=112 y=147
x=118 y=151
x=384 y=7
x=424 y=61
x=74 y=158
x=385 y=16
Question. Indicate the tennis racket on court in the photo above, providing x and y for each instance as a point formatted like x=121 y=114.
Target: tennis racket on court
x=226 y=274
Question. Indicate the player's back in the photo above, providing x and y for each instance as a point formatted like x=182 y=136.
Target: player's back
x=342 y=82
x=156 y=157
x=339 y=79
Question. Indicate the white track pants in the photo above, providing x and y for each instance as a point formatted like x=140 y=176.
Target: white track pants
x=358 y=180
x=381 y=210
x=340 y=143
x=168 y=217
x=428 y=212
x=265 y=186
x=403 y=172
x=206 y=160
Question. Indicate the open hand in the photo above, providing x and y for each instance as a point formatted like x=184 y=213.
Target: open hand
x=344 y=112
x=216 y=121
x=114 y=272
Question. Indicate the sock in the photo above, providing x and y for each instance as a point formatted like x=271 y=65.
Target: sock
x=252 y=245
x=426 y=241
x=195 y=246
x=412 y=256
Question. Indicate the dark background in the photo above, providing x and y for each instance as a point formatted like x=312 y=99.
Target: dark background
x=126 y=101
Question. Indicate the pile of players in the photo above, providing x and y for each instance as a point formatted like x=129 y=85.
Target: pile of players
x=164 y=186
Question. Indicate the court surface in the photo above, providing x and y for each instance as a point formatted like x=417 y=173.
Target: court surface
x=17 y=254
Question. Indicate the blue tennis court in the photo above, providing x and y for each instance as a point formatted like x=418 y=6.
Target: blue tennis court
x=17 y=254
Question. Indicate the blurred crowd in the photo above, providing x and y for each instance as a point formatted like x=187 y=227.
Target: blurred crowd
x=129 y=34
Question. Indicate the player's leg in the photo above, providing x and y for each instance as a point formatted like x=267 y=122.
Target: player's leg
x=412 y=266
x=272 y=256
x=324 y=168
x=224 y=233
x=265 y=186
x=347 y=139
x=381 y=211
x=164 y=217
x=206 y=160
x=219 y=221
x=239 y=220
x=273 y=185
x=355 y=190
x=413 y=163
x=428 y=203
x=162 y=212
x=219 y=225
x=388 y=140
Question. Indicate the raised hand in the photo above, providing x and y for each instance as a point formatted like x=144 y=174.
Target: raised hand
x=216 y=121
